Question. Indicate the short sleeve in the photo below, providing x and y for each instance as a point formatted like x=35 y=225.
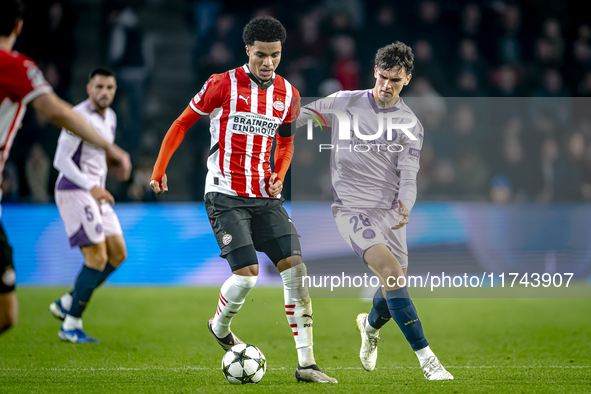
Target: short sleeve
x=210 y=96
x=23 y=80
x=294 y=107
x=409 y=158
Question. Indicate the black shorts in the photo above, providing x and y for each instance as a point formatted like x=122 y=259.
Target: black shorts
x=7 y=275
x=242 y=221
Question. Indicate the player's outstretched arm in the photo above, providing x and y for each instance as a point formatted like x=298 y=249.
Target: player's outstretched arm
x=61 y=113
x=172 y=140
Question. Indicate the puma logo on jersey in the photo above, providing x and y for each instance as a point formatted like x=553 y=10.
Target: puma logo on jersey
x=243 y=98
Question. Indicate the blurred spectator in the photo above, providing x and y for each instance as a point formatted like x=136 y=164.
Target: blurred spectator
x=430 y=27
x=501 y=190
x=427 y=66
x=470 y=25
x=559 y=107
x=509 y=42
x=139 y=189
x=216 y=50
x=469 y=59
x=131 y=57
x=346 y=67
x=48 y=38
x=468 y=85
x=471 y=174
x=10 y=183
x=549 y=154
x=38 y=168
x=568 y=176
x=581 y=59
x=329 y=86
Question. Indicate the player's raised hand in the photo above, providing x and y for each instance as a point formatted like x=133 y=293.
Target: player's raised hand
x=403 y=213
x=120 y=157
x=275 y=185
x=101 y=195
x=159 y=187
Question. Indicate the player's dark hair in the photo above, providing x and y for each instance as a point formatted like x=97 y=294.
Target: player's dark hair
x=397 y=55
x=264 y=29
x=103 y=71
x=12 y=13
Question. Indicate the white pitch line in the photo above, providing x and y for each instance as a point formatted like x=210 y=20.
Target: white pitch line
x=191 y=368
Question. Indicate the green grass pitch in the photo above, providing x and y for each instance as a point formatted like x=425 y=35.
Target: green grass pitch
x=155 y=340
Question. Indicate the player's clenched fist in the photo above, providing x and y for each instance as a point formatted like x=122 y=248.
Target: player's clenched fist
x=275 y=185
x=159 y=187
x=403 y=212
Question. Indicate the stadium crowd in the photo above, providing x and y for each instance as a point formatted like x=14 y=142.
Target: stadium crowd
x=501 y=87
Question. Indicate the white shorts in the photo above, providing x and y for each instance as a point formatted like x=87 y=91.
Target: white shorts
x=365 y=227
x=86 y=221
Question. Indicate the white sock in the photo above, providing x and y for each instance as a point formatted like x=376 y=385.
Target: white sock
x=71 y=323
x=298 y=309
x=424 y=354
x=232 y=296
x=66 y=300
x=306 y=356
x=371 y=330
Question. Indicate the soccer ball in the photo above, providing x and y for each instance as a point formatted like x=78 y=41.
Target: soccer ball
x=244 y=363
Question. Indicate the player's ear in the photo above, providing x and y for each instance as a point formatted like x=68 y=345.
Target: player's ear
x=88 y=88
x=375 y=72
x=408 y=77
x=18 y=28
x=247 y=50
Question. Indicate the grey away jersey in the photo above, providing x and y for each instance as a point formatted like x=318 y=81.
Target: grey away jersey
x=366 y=173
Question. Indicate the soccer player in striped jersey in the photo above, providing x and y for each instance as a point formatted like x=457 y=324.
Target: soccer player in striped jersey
x=22 y=83
x=374 y=187
x=249 y=107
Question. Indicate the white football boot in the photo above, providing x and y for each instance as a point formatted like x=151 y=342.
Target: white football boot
x=368 y=354
x=433 y=370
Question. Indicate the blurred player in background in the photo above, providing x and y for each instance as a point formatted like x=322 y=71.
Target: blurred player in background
x=248 y=106
x=22 y=83
x=84 y=204
x=374 y=191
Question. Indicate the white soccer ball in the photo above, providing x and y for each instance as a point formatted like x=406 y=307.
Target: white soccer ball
x=243 y=364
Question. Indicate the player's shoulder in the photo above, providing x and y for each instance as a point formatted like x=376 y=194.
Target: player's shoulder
x=15 y=58
x=83 y=108
x=350 y=93
x=216 y=81
x=282 y=83
x=418 y=128
x=14 y=63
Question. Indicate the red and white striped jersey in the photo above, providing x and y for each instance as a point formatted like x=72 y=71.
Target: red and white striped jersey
x=244 y=117
x=20 y=83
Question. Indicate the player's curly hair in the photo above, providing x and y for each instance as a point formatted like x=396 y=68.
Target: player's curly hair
x=397 y=55
x=12 y=12
x=264 y=29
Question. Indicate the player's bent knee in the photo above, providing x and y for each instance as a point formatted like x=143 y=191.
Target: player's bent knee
x=283 y=248
x=117 y=258
x=96 y=259
x=245 y=260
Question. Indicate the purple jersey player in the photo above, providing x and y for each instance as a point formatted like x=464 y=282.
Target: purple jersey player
x=375 y=149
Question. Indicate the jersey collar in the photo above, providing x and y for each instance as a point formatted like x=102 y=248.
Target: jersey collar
x=262 y=86
x=377 y=109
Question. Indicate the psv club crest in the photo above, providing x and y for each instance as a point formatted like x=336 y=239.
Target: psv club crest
x=226 y=239
x=279 y=106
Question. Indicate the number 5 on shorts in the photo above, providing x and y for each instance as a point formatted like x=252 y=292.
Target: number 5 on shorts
x=89 y=214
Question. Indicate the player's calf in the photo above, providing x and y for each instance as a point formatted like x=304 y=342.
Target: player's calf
x=8 y=311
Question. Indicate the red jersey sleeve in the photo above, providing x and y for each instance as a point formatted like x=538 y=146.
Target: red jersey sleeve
x=210 y=96
x=294 y=107
x=20 y=78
